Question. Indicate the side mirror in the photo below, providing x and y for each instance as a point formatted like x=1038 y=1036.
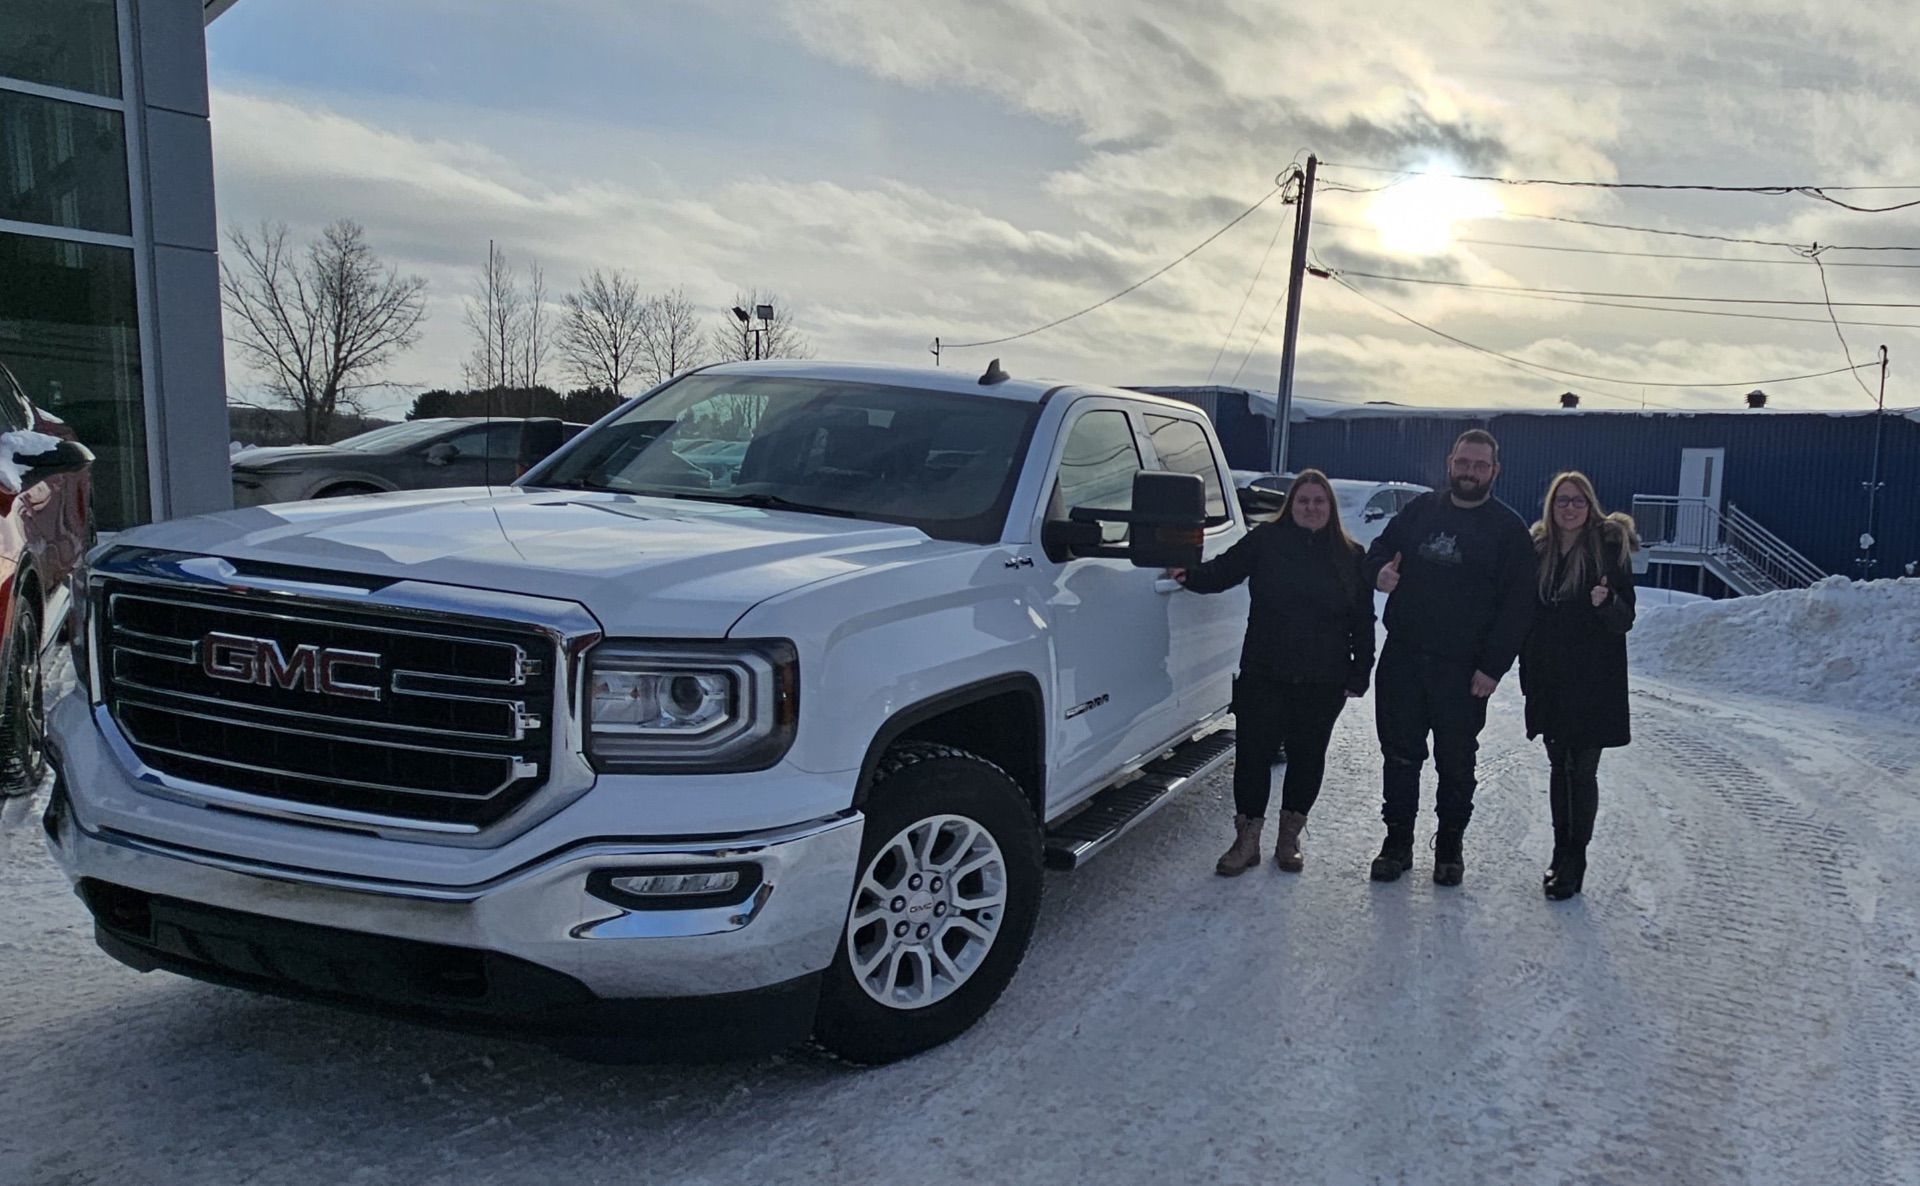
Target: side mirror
x=442 y=453
x=1373 y=515
x=1169 y=522
x=67 y=457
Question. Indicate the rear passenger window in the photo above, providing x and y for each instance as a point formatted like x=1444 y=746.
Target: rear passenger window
x=1183 y=449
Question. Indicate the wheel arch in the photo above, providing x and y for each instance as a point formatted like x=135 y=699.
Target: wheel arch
x=1002 y=719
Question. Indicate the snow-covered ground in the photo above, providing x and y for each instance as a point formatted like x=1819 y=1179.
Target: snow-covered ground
x=1733 y=1000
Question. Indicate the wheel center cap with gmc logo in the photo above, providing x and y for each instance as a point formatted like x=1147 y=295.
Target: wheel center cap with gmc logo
x=241 y=659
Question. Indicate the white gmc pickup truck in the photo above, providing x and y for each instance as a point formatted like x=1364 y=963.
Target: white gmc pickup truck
x=752 y=715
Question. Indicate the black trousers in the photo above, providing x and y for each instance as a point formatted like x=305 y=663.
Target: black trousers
x=1268 y=714
x=1415 y=695
x=1574 y=788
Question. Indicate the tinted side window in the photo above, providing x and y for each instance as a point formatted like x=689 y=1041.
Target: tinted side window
x=15 y=412
x=1387 y=502
x=1097 y=468
x=1183 y=449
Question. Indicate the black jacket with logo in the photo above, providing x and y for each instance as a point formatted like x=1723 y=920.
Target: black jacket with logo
x=1466 y=581
x=1311 y=621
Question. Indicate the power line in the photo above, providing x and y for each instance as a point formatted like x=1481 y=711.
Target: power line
x=1722 y=259
x=1279 y=184
x=1700 y=235
x=1814 y=255
x=1340 y=278
x=1781 y=317
x=1257 y=273
x=1644 y=296
x=1817 y=192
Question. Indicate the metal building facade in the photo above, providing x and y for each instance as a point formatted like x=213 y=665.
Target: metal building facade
x=1803 y=475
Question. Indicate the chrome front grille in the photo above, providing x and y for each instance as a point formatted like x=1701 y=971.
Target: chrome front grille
x=355 y=709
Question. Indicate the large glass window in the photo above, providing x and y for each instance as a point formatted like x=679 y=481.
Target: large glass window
x=63 y=164
x=69 y=334
x=74 y=44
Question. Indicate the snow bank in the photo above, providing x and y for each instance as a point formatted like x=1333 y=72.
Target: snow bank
x=14 y=445
x=1846 y=643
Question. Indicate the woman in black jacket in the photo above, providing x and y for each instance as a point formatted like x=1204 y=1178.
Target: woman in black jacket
x=1573 y=667
x=1308 y=650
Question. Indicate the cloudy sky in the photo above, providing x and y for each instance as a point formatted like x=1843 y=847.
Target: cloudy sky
x=971 y=169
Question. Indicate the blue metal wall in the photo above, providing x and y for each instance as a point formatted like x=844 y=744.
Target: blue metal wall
x=1801 y=475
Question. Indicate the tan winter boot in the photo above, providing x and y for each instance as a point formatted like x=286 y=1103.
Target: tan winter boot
x=1286 y=851
x=1245 y=853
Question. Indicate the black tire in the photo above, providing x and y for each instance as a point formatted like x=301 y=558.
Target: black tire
x=348 y=490
x=23 y=720
x=918 y=782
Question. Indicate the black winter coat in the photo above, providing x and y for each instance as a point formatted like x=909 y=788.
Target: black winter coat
x=1311 y=620
x=1573 y=666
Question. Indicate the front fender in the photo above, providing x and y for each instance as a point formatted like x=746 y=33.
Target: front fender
x=879 y=642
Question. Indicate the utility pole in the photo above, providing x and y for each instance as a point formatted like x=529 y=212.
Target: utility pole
x=1296 y=277
x=936 y=352
x=1868 y=562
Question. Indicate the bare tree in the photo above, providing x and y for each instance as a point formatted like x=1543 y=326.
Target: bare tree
x=536 y=341
x=494 y=312
x=600 y=330
x=755 y=337
x=670 y=339
x=320 y=324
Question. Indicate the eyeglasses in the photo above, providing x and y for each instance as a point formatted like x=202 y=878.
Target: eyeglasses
x=1571 y=502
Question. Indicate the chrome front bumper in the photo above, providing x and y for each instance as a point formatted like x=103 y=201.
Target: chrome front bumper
x=542 y=913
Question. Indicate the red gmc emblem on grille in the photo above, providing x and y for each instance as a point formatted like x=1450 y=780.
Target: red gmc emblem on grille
x=240 y=659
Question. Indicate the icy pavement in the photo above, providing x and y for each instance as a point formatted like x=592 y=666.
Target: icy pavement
x=1734 y=1000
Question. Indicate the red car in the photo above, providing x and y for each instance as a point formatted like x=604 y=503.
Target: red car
x=46 y=526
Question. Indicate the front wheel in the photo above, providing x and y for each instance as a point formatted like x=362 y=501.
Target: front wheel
x=948 y=890
x=23 y=718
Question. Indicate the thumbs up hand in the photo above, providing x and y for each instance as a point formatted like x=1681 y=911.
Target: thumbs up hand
x=1389 y=578
x=1600 y=593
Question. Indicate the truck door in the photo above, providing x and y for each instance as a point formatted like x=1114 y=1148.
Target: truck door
x=1204 y=633
x=1115 y=691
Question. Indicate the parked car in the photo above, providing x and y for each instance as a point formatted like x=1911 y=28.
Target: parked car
x=1261 y=494
x=1365 y=507
x=46 y=526
x=416 y=455
x=654 y=758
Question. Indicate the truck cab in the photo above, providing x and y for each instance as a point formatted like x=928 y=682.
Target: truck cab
x=753 y=714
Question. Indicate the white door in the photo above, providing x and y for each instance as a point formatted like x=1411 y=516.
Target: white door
x=1702 y=473
x=1204 y=633
x=1109 y=622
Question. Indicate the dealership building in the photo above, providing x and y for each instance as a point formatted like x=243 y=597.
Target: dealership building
x=109 y=273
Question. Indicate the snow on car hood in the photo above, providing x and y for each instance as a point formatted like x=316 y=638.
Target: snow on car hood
x=643 y=566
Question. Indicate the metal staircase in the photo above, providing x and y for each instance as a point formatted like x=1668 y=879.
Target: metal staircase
x=1733 y=546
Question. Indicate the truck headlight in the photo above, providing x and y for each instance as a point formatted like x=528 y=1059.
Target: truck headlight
x=664 y=706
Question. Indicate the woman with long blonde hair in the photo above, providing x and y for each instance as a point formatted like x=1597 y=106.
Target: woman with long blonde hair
x=1573 y=666
x=1308 y=650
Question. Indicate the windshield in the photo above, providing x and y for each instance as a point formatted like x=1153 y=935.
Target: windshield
x=395 y=437
x=941 y=462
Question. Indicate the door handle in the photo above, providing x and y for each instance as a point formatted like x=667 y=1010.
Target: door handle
x=1166 y=585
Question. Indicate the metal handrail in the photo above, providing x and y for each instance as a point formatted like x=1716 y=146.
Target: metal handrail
x=1790 y=557
x=1730 y=542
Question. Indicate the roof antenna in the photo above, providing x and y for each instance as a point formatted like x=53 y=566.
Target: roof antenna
x=994 y=374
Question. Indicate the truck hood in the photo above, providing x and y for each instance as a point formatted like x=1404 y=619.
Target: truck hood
x=642 y=566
